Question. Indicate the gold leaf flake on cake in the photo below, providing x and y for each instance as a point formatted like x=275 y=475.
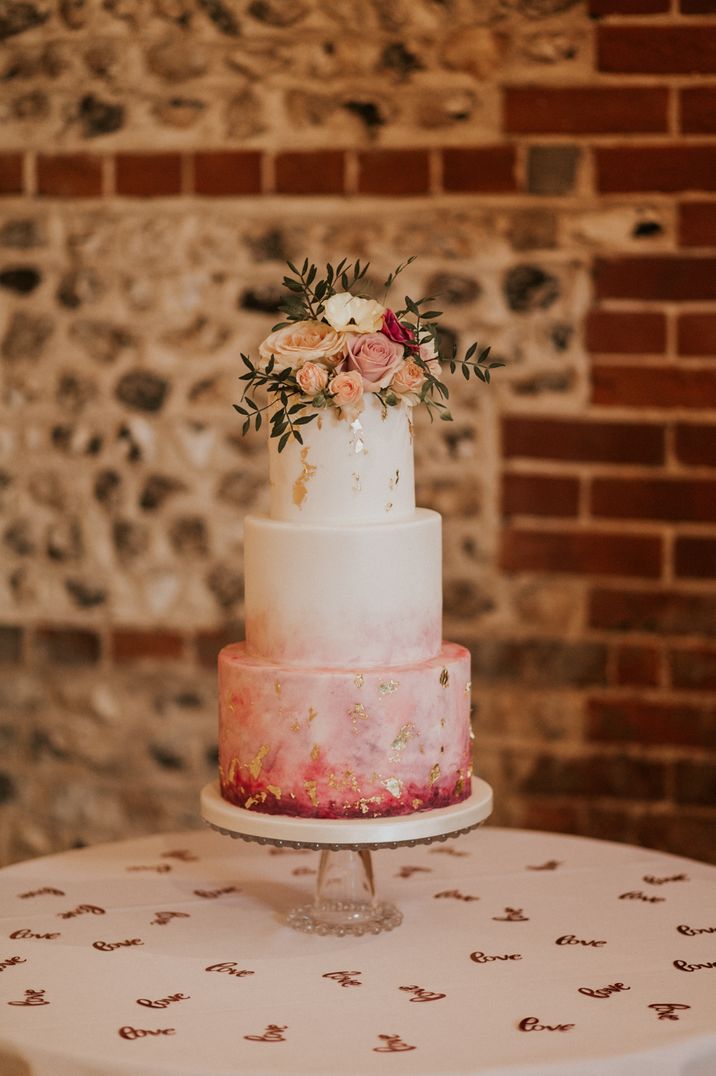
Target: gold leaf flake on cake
x=444 y=678
x=315 y=752
x=468 y=687
x=357 y=487
x=393 y=482
x=357 y=441
x=229 y=702
x=442 y=722
x=277 y=688
x=388 y=687
x=394 y=785
x=471 y=733
x=234 y=766
x=274 y=790
x=469 y=771
x=300 y=489
x=359 y=679
x=357 y=713
x=295 y=725
x=311 y=787
x=389 y=506
x=459 y=785
x=257 y=761
x=410 y=430
x=416 y=803
x=434 y=773
x=405 y=734
x=311 y=714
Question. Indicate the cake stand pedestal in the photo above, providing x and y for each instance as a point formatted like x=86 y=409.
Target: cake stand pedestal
x=345 y=901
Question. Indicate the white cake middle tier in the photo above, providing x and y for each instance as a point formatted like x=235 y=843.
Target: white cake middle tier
x=344 y=595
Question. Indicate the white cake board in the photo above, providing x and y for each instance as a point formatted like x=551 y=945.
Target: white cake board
x=422 y=827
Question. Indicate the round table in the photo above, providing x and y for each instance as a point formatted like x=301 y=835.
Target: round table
x=520 y=953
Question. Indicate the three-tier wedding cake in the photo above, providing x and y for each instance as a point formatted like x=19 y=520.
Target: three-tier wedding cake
x=344 y=701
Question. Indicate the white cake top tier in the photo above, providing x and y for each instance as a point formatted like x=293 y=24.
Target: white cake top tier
x=347 y=471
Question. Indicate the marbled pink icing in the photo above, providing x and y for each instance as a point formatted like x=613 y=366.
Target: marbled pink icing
x=339 y=743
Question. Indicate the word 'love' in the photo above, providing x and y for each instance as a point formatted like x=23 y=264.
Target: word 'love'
x=273 y=1033
x=693 y=931
x=393 y=1045
x=25 y=933
x=230 y=967
x=638 y=895
x=129 y=1032
x=48 y=890
x=82 y=909
x=162 y=1003
x=683 y=965
x=531 y=1023
x=455 y=894
x=667 y=1009
x=603 y=991
x=569 y=939
x=162 y=918
x=482 y=958
x=419 y=994
x=345 y=978
x=32 y=997
x=10 y=961
x=651 y=880
x=108 y=947
x=212 y=894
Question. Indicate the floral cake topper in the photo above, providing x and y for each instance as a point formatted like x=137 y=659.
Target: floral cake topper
x=337 y=344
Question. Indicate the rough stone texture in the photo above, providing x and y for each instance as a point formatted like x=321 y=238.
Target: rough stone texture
x=123 y=475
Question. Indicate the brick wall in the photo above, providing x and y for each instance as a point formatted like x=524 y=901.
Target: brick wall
x=553 y=164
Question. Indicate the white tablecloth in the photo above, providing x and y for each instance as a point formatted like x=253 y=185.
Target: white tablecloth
x=519 y=953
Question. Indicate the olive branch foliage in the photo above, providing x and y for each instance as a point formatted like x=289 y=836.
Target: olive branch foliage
x=290 y=408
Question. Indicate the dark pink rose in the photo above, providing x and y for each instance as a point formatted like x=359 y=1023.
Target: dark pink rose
x=374 y=356
x=395 y=331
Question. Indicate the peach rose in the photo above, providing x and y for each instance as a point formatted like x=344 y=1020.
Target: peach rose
x=312 y=378
x=303 y=341
x=408 y=380
x=375 y=357
x=346 y=389
x=346 y=312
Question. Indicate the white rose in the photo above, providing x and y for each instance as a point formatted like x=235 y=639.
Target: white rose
x=347 y=313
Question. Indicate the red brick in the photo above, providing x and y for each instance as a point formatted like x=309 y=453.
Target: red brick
x=480 y=168
x=393 y=171
x=666 y=168
x=10 y=644
x=69 y=175
x=669 y=612
x=697 y=224
x=576 y=440
x=638 y=666
x=696 y=444
x=67 y=646
x=129 y=645
x=698 y=7
x=148 y=175
x=695 y=558
x=540 y=662
x=625 y=332
x=693 y=833
x=677 y=499
x=628 y=7
x=594 y=775
x=695 y=782
x=657 y=50
x=585 y=109
x=634 y=720
x=655 y=386
x=694 y=670
x=227 y=172
x=581 y=552
x=10 y=173
x=546 y=816
x=322 y=172
x=209 y=643
x=697 y=334
x=653 y=277
x=698 y=110
x=539 y=495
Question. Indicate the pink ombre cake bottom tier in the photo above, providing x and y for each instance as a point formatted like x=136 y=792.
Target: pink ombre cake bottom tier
x=344 y=743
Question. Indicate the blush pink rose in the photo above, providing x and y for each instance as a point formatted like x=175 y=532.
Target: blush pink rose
x=346 y=388
x=393 y=329
x=409 y=379
x=429 y=356
x=375 y=357
x=312 y=378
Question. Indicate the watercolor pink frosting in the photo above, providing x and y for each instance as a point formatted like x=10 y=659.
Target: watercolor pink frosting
x=344 y=743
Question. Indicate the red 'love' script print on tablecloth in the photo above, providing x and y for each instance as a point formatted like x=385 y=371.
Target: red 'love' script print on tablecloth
x=527 y=950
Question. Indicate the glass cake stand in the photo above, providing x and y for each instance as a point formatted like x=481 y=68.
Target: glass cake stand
x=344 y=900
